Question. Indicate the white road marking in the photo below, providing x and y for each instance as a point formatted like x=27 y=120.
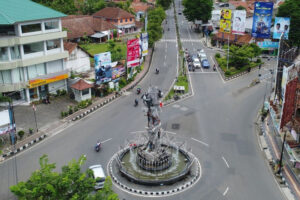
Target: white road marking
x=184 y=108
x=176 y=106
x=200 y=142
x=225 y=192
x=106 y=140
x=202 y=72
x=170 y=132
x=225 y=161
x=137 y=132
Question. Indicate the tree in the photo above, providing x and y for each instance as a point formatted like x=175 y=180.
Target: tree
x=88 y=7
x=155 y=18
x=240 y=8
x=197 y=9
x=71 y=183
x=290 y=8
x=164 y=3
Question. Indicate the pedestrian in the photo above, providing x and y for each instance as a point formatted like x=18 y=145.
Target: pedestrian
x=48 y=98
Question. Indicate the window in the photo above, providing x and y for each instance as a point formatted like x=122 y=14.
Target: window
x=73 y=55
x=51 y=25
x=85 y=91
x=36 y=70
x=125 y=20
x=121 y=20
x=15 y=52
x=33 y=47
x=131 y=19
x=5 y=77
x=53 y=44
x=29 y=28
x=116 y=20
x=3 y=54
x=54 y=66
x=7 y=30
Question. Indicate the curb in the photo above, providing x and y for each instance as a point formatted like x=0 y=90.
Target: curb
x=27 y=145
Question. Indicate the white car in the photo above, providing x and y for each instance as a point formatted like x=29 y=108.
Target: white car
x=196 y=63
x=203 y=57
x=98 y=175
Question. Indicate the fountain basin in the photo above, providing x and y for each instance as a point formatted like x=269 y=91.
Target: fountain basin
x=176 y=168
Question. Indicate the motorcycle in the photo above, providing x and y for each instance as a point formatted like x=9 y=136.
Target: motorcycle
x=215 y=68
x=157 y=71
x=138 y=91
x=98 y=147
x=136 y=103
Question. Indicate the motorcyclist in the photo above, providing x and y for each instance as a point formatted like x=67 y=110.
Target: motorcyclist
x=98 y=145
x=157 y=71
x=214 y=68
x=138 y=90
x=136 y=102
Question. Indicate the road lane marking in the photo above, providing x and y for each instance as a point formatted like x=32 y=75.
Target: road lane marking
x=225 y=192
x=203 y=72
x=200 y=142
x=225 y=161
x=170 y=132
x=133 y=132
x=106 y=140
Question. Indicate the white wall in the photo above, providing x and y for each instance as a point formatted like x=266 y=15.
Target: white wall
x=81 y=64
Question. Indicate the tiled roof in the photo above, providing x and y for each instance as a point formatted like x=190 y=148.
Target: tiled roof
x=139 y=24
x=140 y=6
x=81 y=85
x=79 y=25
x=249 y=5
x=12 y=11
x=70 y=46
x=113 y=13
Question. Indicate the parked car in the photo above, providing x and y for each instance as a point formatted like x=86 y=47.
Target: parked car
x=196 y=63
x=205 y=63
x=99 y=176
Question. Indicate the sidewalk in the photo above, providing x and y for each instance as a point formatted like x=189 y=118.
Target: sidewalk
x=48 y=116
x=271 y=144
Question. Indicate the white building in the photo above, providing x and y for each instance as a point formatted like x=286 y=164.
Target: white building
x=31 y=50
x=78 y=60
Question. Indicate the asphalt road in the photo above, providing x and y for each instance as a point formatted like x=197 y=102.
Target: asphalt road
x=217 y=122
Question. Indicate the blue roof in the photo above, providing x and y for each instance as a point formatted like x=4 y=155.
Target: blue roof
x=12 y=11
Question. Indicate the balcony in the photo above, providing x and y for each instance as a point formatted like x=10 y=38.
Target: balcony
x=11 y=41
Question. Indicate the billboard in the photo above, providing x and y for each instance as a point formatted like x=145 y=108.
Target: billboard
x=268 y=45
x=225 y=21
x=144 y=40
x=133 y=53
x=239 y=21
x=262 y=19
x=103 y=71
x=281 y=25
x=117 y=72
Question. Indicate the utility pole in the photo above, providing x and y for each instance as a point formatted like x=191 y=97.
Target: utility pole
x=13 y=134
x=281 y=155
x=228 y=53
x=34 y=109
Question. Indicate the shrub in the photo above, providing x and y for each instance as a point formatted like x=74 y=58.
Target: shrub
x=76 y=108
x=218 y=55
x=21 y=134
x=258 y=60
x=89 y=102
x=30 y=130
x=70 y=110
x=72 y=95
x=227 y=73
x=62 y=114
x=63 y=92
x=58 y=92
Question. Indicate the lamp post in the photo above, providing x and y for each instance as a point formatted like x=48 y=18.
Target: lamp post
x=228 y=53
x=281 y=155
x=34 y=109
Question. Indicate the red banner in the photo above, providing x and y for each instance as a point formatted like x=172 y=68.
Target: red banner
x=133 y=53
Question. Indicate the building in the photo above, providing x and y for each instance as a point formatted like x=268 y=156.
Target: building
x=78 y=60
x=78 y=26
x=31 y=50
x=140 y=8
x=122 y=19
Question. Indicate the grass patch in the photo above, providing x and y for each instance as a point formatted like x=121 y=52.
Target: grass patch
x=181 y=81
x=96 y=48
x=222 y=62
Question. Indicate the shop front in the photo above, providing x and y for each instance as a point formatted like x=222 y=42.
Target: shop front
x=39 y=88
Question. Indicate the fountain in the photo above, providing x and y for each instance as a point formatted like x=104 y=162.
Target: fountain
x=153 y=158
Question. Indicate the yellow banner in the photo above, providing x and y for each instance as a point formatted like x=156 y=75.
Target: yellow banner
x=225 y=26
x=39 y=82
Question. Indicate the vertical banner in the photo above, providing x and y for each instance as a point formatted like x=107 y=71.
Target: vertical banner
x=262 y=19
x=103 y=71
x=225 y=21
x=133 y=53
x=239 y=21
x=144 y=39
x=281 y=25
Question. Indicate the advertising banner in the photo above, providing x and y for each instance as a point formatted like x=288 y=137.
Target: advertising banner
x=225 y=21
x=103 y=71
x=268 y=45
x=239 y=21
x=117 y=72
x=262 y=19
x=281 y=25
x=38 y=82
x=133 y=53
x=144 y=40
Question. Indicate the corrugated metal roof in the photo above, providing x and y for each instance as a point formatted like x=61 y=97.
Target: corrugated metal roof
x=12 y=11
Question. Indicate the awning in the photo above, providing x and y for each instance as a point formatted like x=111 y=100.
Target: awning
x=98 y=35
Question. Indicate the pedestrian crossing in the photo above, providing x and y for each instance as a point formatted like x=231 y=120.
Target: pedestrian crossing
x=168 y=40
x=190 y=40
x=182 y=108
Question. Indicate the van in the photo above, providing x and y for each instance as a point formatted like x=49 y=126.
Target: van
x=99 y=175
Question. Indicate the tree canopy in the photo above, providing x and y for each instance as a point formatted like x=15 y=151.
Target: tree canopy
x=164 y=3
x=154 y=29
x=291 y=8
x=71 y=183
x=197 y=9
x=240 y=8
